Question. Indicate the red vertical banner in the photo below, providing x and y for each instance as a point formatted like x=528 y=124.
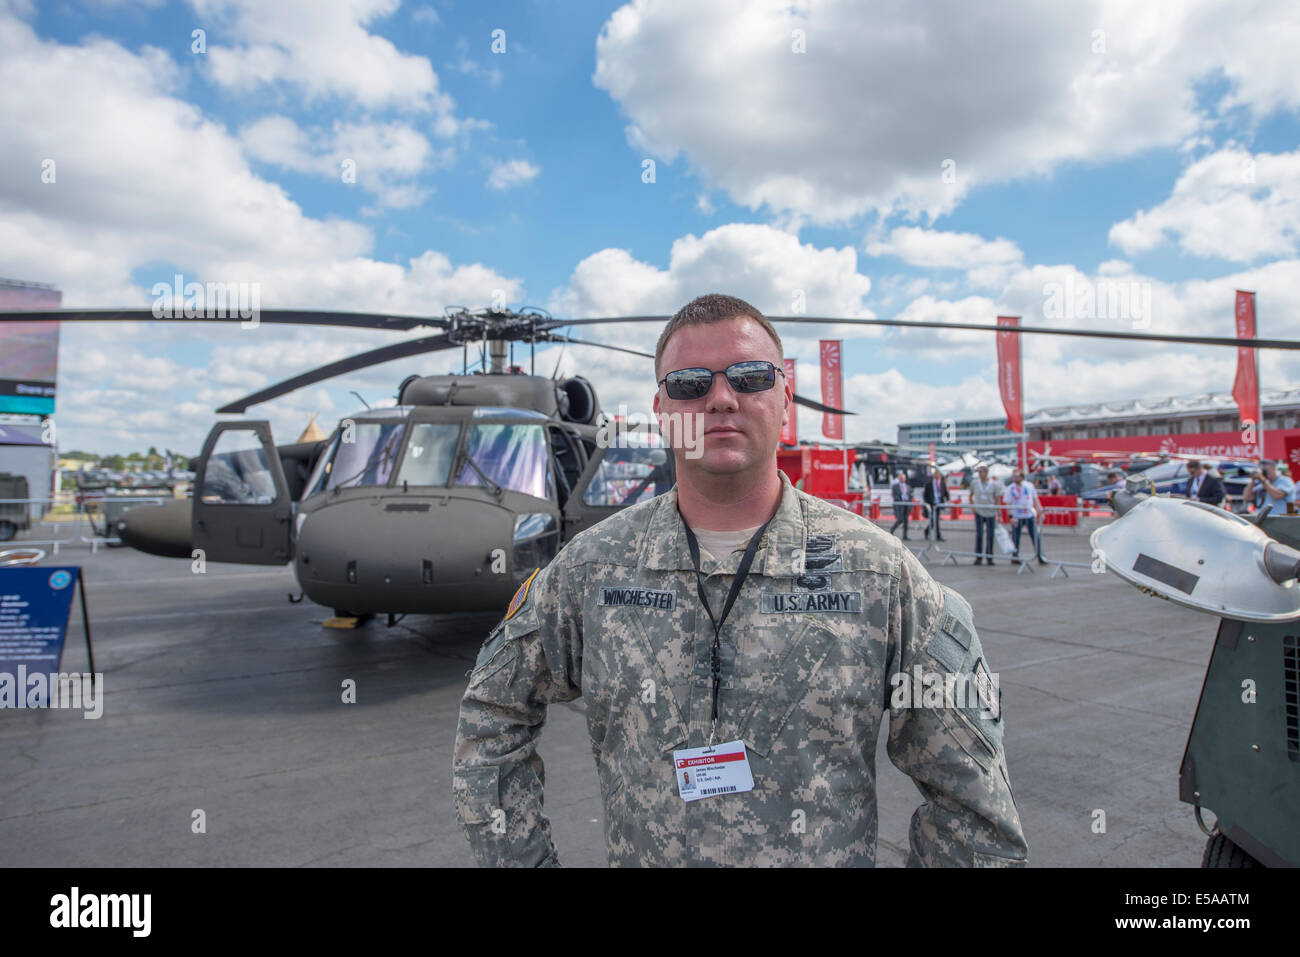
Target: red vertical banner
x=790 y=433
x=1245 y=388
x=1009 y=374
x=1291 y=453
x=832 y=388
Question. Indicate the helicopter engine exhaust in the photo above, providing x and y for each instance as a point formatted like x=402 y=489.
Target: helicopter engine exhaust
x=577 y=401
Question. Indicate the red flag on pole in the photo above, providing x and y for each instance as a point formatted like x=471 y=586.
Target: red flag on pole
x=1245 y=388
x=832 y=425
x=790 y=433
x=1009 y=374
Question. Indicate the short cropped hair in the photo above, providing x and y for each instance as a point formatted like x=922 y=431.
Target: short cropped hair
x=705 y=310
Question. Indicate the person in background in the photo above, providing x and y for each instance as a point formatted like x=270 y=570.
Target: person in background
x=1278 y=489
x=1054 y=486
x=985 y=494
x=1253 y=494
x=1202 y=485
x=1022 y=499
x=900 y=493
x=936 y=493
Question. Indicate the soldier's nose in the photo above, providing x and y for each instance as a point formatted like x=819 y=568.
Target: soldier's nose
x=722 y=397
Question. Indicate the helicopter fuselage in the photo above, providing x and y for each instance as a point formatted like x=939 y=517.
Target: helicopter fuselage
x=422 y=508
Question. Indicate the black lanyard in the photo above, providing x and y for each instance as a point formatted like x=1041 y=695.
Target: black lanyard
x=715 y=664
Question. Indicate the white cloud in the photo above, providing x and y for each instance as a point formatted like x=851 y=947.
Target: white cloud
x=143 y=178
x=320 y=47
x=1230 y=204
x=511 y=173
x=934 y=249
x=988 y=263
x=381 y=158
x=769 y=268
x=885 y=94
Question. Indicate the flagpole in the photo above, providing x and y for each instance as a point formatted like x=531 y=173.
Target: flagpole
x=1020 y=396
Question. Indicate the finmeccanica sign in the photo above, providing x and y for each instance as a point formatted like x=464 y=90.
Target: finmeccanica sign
x=1226 y=445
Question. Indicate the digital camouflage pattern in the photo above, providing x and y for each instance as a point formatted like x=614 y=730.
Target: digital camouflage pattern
x=831 y=609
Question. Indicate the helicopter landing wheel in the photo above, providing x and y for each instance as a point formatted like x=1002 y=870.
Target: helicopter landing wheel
x=1221 y=852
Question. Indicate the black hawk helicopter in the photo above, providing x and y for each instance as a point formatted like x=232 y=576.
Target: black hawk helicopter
x=449 y=500
x=443 y=503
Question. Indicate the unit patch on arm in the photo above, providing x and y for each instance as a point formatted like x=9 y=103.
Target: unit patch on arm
x=520 y=596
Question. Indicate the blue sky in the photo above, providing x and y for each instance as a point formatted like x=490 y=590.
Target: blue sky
x=796 y=148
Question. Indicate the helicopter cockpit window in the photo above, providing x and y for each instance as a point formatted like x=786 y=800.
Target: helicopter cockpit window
x=629 y=475
x=513 y=456
x=237 y=472
x=366 y=460
x=429 y=454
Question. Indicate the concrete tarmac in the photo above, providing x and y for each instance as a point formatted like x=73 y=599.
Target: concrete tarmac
x=223 y=698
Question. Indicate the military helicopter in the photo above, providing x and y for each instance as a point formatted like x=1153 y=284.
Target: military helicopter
x=449 y=500
x=443 y=503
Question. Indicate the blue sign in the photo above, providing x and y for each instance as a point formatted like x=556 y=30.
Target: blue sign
x=35 y=601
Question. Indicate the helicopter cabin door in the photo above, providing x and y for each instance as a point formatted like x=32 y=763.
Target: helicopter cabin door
x=613 y=479
x=242 y=510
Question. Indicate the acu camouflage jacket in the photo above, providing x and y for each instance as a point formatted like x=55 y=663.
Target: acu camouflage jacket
x=832 y=609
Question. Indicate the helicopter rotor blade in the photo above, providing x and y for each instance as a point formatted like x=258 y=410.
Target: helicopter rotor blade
x=553 y=337
x=311 y=317
x=1226 y=341
x=818 y=407
x=374 y=320
x=400 y=350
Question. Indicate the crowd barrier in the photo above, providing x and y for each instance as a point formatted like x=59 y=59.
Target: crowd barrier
x=1062 y=534
x=83 y=521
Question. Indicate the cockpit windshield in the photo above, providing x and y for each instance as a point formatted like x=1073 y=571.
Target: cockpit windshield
x=513 y=456
x=363 y=453
x=429 y=454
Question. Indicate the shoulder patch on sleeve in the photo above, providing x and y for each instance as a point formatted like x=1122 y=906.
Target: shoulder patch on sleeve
x=955 y=644
x=521 y=596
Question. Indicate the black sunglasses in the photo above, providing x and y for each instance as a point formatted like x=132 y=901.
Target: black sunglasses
x=751 y=376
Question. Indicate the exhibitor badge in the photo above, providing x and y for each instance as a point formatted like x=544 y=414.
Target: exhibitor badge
x=710 y=772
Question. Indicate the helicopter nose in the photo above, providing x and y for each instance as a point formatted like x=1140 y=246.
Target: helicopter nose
x=158 y=529
x=416 y=554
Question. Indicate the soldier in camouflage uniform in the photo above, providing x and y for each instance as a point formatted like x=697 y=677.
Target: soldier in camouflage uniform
x=830 y=618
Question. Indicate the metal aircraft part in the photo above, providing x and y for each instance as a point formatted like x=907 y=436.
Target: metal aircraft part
x=162 y=529
x=1242 y=760
x=1201 y=557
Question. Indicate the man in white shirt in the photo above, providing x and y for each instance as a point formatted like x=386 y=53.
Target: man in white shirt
x=1022 y=500
x=985 y=494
